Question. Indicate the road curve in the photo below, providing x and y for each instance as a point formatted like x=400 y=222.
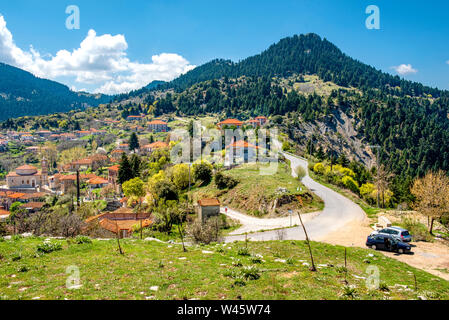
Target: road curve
x=338 y=211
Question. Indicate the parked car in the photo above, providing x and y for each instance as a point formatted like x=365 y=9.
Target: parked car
x=387 y=242
x=396 y=232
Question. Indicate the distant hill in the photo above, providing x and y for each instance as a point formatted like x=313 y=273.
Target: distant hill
x=22 y=94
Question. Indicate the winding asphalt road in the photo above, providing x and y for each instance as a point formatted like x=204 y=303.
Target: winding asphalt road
x=338 y=211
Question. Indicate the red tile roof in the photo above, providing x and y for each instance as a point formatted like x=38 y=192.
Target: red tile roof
x=231 y=122
x=156 y=145
x=242 y=144
x=209 y=202
x=157 y=122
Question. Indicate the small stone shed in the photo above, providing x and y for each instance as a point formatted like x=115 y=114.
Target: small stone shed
x=208 y=208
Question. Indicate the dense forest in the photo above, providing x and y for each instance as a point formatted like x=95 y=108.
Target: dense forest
x=22 y=94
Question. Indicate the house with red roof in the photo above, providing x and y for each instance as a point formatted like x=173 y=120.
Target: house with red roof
x=241 y=152
x=149 y=148
x=158 y=126
x=230 y=123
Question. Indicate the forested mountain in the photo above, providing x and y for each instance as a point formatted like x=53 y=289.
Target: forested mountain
x=22 y=94
x=305 y=54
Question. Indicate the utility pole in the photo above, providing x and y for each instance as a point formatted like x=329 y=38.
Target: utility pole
x=78 y=188
x=378 y=164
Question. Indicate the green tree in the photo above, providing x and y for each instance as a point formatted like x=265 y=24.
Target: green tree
x=202 y=172
x=136 y=164
x=134 y=142
x=125 y=171
x=134 y=189
x=181 y=176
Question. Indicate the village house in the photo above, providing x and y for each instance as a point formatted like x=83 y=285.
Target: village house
x=54 y=137
x=44 y=133
x=67 y=137
x=93 y=162
x=123 y=221
x=113 y=177
x=123 y=147
x=149 y=148
x=158 y=126
x=253 y=123
x=65 y=183
x=241 y=152
x=27 y=138
x=97 y=183
x=135 y=118
x=230 y=123
x=116 y=155
x=96 y=132
x=208 y=208
x=262 y=120
x=4 y=215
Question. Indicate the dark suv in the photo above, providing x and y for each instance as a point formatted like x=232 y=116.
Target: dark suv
x=388 y=243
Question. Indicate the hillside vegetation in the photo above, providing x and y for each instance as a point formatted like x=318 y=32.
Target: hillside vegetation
x=263 y=195
x=265 y=270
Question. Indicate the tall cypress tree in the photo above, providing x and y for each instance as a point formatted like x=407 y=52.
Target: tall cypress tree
x=135 y=165
x=134 y=142
x=125 y=172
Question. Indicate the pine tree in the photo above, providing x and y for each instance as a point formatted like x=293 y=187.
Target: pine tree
x=125 y=173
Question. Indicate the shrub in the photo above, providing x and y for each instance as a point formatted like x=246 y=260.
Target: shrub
x=205 y=233
x=351 y=184
x=16 y=256
x=250 y=273
x=82 y=240
x=256 y=259
x=318 y=168
x=237 y=263
x=48 y=247
x=23 y=269
x=202 y=172
x=301 y=173
x=416 y=229
x=224 y=182
x=243 y=252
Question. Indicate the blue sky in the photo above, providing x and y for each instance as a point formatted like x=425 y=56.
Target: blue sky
x=184 y=34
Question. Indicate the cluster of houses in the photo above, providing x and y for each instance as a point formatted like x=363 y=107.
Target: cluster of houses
x=29 y=185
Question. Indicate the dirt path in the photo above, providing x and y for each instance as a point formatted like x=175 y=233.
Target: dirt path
x=253 y=224
x=431 y=257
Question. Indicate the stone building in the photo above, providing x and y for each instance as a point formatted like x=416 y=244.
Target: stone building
x=28 y=177
x=208 y=208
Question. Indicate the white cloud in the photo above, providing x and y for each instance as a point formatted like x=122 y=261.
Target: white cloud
x=405 y=69
x=100 y=61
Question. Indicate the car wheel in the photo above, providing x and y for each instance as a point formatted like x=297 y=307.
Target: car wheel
x=374 y=247
x=401 y=251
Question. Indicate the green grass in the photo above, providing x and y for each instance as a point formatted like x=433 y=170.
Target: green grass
x=255 y=190
x=105 y=274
